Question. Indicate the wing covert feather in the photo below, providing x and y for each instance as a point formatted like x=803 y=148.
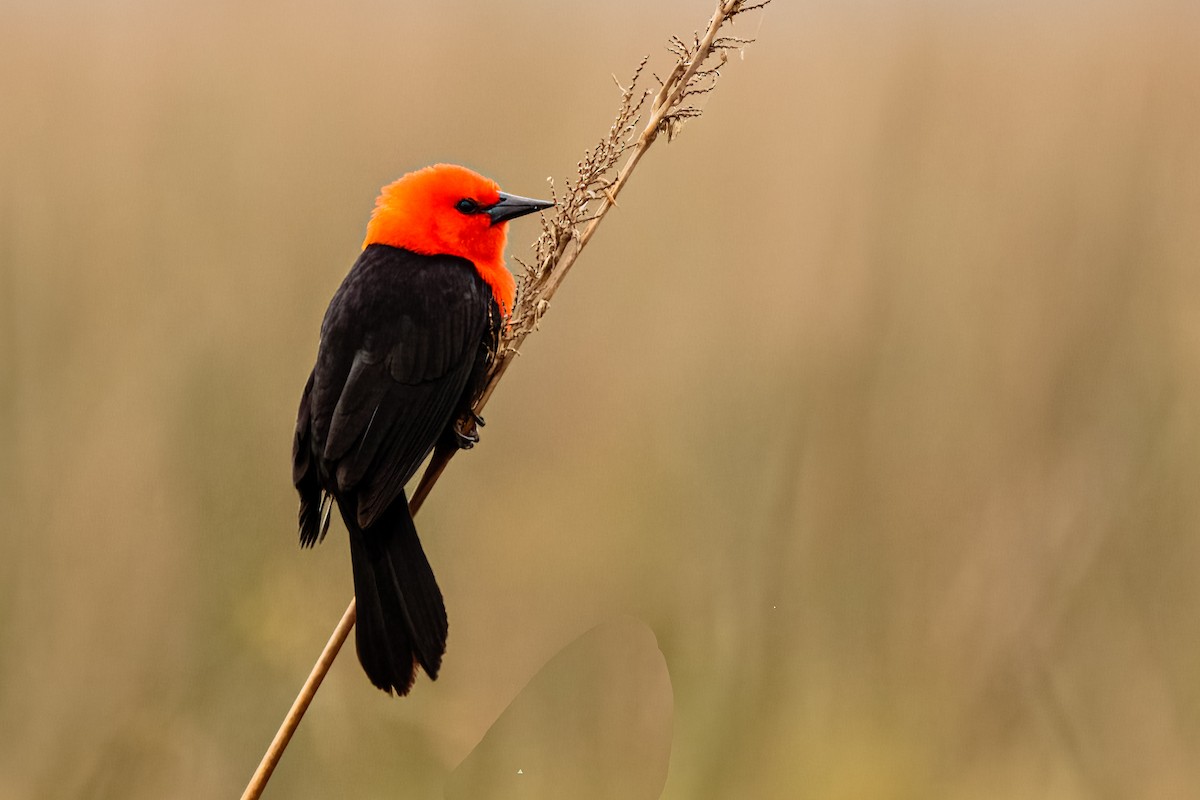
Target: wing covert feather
x=398 y=345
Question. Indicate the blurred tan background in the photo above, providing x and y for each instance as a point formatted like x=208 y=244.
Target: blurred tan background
x=877 y=401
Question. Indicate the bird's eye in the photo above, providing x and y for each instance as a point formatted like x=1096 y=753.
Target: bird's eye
x=467 y=206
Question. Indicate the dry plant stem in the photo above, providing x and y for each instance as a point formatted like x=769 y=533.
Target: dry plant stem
x=284 y=735
x=667 y=102
x=292 y=721
x=557 y=248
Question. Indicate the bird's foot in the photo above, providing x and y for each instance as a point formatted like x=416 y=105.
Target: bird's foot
x=466 y=430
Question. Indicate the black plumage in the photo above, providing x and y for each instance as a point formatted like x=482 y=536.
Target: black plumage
x=405 y=348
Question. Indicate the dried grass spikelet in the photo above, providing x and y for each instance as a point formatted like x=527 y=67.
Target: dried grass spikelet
x=589 y=196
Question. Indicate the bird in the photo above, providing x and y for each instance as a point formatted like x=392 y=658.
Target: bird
x=404 y=351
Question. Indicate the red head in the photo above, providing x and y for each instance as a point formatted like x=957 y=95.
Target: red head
x=450 y=210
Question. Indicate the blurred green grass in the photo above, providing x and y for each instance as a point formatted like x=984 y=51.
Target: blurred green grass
x=877 y=400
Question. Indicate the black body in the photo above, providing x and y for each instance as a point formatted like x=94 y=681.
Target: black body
x=405 y=348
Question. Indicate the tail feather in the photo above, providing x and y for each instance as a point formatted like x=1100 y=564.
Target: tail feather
x=377 y=651
x=401 y=616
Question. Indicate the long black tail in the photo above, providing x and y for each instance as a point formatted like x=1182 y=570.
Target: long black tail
x=401 y=617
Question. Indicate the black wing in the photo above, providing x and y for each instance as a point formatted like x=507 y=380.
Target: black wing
x=398 y=345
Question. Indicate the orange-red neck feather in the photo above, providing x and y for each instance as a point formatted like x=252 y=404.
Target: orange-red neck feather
x=418 y=213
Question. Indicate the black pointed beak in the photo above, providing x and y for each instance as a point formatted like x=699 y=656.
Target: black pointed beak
x=510 y=206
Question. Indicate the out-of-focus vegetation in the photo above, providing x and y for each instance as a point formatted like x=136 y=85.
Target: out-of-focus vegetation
x=877 y=399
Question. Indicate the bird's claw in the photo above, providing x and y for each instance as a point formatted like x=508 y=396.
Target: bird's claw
x=466 y=430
